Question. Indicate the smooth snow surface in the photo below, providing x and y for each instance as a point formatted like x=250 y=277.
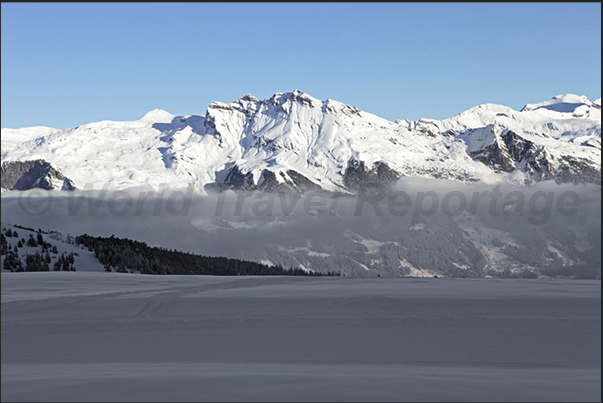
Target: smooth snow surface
x=126 y=337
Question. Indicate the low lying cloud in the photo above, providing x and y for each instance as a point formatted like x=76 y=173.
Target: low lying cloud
x=238 y=224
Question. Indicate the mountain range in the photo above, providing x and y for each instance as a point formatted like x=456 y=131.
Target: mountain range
x=293 y=142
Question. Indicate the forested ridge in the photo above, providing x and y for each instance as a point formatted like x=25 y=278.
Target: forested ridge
x=126 y=255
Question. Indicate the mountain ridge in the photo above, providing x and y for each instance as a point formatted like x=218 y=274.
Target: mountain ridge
x=293 y=142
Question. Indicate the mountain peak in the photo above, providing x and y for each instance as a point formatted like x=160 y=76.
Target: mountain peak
x=249 y=98
x=564 y=103
x=296 y=95
x=157 y=115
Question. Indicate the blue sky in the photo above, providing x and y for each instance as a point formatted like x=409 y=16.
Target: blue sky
x=67 y=64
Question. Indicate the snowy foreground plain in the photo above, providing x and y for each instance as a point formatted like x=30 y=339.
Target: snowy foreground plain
x=125 y=337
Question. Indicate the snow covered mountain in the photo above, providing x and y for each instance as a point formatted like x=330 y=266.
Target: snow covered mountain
x=293 y=142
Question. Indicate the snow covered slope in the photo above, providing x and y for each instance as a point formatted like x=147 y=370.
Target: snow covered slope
x=84 y=260
x=294 y=142
x=72 y=336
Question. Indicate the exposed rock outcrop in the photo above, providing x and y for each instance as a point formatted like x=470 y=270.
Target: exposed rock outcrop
x=25 y=175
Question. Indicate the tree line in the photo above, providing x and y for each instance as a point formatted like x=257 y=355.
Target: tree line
x=126 y=255
x=38 y=262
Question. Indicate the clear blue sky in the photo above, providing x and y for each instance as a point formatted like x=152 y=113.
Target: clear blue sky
x=68 y=64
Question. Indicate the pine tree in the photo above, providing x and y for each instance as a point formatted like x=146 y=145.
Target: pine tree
x=31 y=241
x=121 y=268
x=19 y=266
x=65 y=263
x=34 y=262
x=3 y=244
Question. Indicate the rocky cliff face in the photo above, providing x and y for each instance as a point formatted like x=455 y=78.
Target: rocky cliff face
x=358 y=177
x=25 y=175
